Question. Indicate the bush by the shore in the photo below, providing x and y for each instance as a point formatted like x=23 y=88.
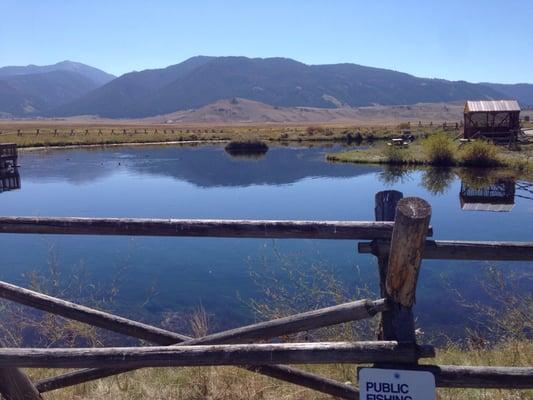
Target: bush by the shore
x=480 y=154
x=250 y=147
x=439 y=149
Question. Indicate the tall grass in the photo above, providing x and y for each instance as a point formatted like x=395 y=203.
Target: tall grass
x=394 y=155
x=480 y=154
x=439 y=150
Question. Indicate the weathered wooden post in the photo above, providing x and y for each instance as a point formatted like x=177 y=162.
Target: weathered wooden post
x=411 y=225
x=15 y=385
x=385 y=210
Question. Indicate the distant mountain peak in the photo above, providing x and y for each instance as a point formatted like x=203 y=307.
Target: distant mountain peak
x=98 y=76
x=35 y=89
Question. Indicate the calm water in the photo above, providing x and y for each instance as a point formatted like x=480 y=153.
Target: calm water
x=160 y=278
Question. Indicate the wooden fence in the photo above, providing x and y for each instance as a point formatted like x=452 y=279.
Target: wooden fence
x=398 y=240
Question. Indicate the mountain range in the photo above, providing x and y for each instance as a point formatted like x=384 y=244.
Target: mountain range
x=35 y=90
x=70 y=89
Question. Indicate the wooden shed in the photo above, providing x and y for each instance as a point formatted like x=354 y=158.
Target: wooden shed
x=497 y=120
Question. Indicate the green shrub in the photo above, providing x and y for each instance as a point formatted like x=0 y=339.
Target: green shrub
x=480 y=154
x=439 y=149
x=394 y=155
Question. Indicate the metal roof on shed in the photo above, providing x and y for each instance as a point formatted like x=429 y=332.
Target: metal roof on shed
x=491 y=105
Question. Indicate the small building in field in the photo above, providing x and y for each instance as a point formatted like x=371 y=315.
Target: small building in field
x=498 y=120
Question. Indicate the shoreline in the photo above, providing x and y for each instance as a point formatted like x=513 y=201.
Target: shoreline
x=76 y=146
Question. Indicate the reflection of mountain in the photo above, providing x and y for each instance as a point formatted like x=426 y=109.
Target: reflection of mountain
x=205 y=166
x=9 y=179
x=72 y=165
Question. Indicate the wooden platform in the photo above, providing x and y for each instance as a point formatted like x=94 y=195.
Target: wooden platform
x=8 y=155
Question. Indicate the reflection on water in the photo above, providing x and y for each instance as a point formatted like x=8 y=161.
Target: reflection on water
x=9 y=179
x=481 y=189
x=395 y=174
x=497 y=196
x=437 y=180
x=168 y=276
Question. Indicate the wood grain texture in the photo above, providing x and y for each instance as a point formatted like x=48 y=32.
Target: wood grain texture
x=462 y=250
x=350 y=230
x=455 y=376
x=204 y=355
x=15 y=385
x=407 y=243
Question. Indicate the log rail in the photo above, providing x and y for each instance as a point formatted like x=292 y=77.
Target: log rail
x=398 y=238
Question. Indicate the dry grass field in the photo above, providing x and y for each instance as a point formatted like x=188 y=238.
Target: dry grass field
x=229 y=383
x=78 y=132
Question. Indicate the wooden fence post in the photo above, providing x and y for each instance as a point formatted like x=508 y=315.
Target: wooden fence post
x=385 y=210
x=15 y=385
x=411 y=224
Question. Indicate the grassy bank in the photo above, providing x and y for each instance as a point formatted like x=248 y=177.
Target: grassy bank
x=61 y=133
x=235 y=384
x=440 y=150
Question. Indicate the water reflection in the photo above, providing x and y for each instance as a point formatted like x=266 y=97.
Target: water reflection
x=482 y=191
x=394 y=174
x=437 y=180
x=246 y=155
x=205 y=166
x=9 y=179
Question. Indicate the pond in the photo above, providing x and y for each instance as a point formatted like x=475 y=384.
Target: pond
x=166 y=279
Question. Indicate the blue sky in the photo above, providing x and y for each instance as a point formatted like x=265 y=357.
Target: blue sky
x=474 y=40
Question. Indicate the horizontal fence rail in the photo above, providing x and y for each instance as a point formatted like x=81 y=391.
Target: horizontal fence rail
x=266 y=330
x=228 y=354
x=463 y=250
x=457 y=376
x=477 y=377
x=349 y=230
